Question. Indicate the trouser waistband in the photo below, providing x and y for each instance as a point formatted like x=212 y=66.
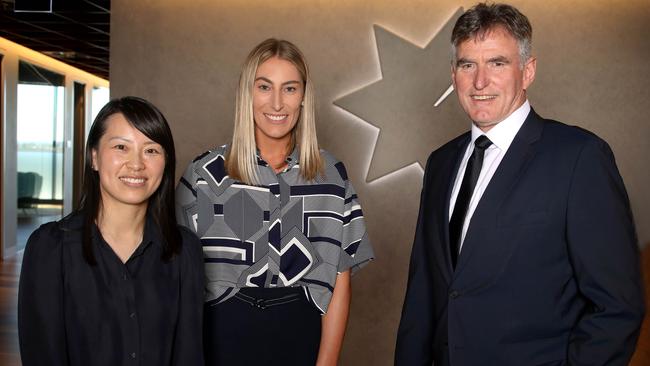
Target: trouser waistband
x=263 y=298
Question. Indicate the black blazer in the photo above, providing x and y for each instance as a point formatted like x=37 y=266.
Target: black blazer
x=549 y=269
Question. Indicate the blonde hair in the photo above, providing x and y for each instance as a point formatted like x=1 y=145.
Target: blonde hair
x=241 y=160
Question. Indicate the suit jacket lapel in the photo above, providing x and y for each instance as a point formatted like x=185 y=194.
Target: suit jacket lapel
x=439 y=202
x=510 y=169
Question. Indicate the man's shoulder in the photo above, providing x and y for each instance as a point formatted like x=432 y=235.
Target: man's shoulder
x=560 y=133
x=451 y=146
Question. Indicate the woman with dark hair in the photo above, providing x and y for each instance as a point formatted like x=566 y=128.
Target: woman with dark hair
x=116 y=282
x=281 y=226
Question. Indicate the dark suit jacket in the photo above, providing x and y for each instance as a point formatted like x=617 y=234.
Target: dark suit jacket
x=549 y=269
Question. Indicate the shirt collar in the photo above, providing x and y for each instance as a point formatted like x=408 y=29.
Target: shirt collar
x=504 y=132
x=291 y=160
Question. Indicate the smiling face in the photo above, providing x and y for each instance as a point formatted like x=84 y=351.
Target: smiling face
x=277 y=96
x=489 y=79
x=130 y=166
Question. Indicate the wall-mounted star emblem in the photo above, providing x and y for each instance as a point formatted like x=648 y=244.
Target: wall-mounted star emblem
x=401 y=103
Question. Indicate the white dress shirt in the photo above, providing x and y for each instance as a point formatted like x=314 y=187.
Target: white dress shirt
x=501 y=136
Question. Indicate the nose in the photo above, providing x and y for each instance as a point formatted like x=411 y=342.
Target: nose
x=277 y=99
x=481 y=79
x=135 y=162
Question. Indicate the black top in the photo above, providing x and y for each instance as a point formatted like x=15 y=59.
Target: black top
x=144 y=312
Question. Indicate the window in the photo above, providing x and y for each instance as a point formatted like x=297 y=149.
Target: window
x=40 y=149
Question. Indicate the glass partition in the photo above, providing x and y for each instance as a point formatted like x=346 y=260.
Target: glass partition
x=40 y=148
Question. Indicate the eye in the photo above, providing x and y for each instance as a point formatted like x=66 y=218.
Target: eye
x=499 y=63
x=466 y=66
x=119 y=147
x=153 y=149
x=264 y=87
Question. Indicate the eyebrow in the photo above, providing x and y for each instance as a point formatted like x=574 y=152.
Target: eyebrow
x=502 y=59
x=270 y=82
x=124 y=139
x=462 y=61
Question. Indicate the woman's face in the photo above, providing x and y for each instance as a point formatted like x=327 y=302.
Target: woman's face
x=129 y=164
x=277 y=98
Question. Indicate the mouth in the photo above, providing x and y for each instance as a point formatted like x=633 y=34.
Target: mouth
x=133 y=181
x=276 y=117
x=482 y=97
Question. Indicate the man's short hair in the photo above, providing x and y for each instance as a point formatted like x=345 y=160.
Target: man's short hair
x=482 y=18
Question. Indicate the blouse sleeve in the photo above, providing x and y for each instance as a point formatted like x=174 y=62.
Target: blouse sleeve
x=357 y=250
x=186 y=199
x=188 y=345
x=41 y=327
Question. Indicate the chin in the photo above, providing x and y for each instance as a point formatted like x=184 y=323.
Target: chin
x=483 y=119
x=136 y=200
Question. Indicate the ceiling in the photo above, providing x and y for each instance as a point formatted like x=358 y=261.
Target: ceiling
x=76 y=32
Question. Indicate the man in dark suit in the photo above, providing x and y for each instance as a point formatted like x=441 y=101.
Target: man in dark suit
x=525 y=251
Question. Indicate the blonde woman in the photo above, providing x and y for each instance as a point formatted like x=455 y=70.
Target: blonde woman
x=280 y=224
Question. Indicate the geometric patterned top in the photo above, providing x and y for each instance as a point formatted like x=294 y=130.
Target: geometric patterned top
x=284 y=232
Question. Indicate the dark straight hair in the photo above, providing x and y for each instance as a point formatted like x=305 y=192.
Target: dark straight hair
x=146 y=118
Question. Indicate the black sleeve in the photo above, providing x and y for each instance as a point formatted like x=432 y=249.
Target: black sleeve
x=41 y=327
x=188 y=344
x=415 y=335
x=605 y=256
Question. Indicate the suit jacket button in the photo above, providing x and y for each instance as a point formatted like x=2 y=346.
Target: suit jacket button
x=453 y=294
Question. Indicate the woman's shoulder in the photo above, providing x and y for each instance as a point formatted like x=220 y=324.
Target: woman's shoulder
x=209 y=166
x=190 y=243
x=46 y=239
x=71 y=222
x=210 y=155
x=328 y=158
x=48 y=249
x=211 y=163
x=331 y=164
x=51 y=233
x=45 y=232
x=187 y=234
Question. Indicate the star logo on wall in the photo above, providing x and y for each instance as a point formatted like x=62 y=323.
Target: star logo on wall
x=409 y=103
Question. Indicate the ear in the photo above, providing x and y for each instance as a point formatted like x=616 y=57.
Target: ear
x=529 y=72
x=93 y=153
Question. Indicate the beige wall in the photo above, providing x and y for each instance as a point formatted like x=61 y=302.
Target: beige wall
x=185 y=57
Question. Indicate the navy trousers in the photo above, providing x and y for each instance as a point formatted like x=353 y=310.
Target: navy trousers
x=262 y=326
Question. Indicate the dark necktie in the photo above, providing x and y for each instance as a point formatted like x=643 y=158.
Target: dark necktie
x=472 y=172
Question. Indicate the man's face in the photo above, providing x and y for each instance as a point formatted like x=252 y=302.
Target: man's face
x=489 y=79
